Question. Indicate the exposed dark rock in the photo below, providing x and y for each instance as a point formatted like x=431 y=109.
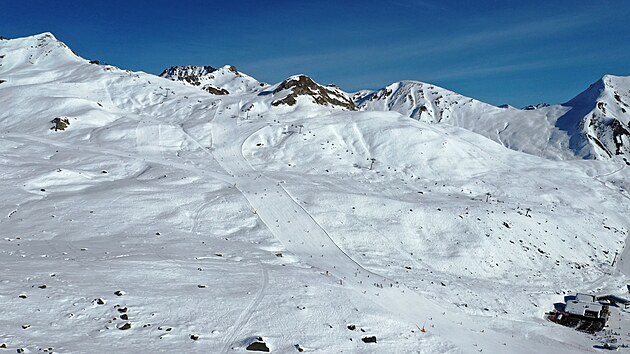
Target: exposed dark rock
x=215 y=90
x=618 y=133
x=352 y=327
x=303 y=85
x=60 y=123
x=189 y=73
x=535 y=106
x=125 y=326
x=2 y=81
x=119 y=293
x=124 y=316
x=258 y=345
x=369 y=339
x=194 y=337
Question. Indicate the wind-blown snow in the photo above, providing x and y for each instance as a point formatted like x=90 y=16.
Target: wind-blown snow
x=224 y=218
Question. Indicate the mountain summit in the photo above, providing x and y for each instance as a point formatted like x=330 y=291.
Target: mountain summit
x=301 y=85
x=598 y=119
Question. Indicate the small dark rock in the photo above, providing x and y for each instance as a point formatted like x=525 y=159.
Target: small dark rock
x=119 y=293
x=369 y=339
x=194 y=337
x=124 y=316
x=3 y=345
x=125 y=326
x=258 y=347
x=22 y=296
x=122 y=309
x=60 y=123
x=352 y=327
x=43 y=286
x=26 y=326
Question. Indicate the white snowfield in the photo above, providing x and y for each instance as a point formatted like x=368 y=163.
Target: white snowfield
x=165 y=218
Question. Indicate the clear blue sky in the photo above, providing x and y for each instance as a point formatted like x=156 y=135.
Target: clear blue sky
x=516 y=52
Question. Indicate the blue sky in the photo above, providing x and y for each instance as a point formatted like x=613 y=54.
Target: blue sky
x=516 y=52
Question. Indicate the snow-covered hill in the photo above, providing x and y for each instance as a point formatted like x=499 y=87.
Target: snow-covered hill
x=166 y=218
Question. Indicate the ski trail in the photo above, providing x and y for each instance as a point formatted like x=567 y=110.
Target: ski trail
x=248 y=311
x=361 y=140
x=302 y=235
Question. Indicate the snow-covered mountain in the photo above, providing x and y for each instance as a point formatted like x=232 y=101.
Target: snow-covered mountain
x=144 y=214
x=597 y=121
x=288 y=92
x=222 y=81
x=593 y=125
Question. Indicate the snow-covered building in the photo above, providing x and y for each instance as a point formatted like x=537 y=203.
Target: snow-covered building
x=584 y=305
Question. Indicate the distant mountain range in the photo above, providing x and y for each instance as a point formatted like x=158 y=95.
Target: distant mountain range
x=593 y=125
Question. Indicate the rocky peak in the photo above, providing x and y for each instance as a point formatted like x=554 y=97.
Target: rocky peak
x=217 y=81
x=302 y=85
x=189 y=73
x=599 y=119
x=536 y=106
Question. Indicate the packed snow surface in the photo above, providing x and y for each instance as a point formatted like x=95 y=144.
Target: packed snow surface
x=167 y=218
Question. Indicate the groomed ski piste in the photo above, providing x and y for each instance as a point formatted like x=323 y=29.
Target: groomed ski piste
x=208 y=221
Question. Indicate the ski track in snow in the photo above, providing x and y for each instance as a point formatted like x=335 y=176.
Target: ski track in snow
x=248 y=311
x=300 y=233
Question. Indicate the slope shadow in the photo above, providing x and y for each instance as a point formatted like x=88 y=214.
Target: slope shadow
x=569 y=122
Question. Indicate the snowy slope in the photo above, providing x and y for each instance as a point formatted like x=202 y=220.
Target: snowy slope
x=222 y=218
